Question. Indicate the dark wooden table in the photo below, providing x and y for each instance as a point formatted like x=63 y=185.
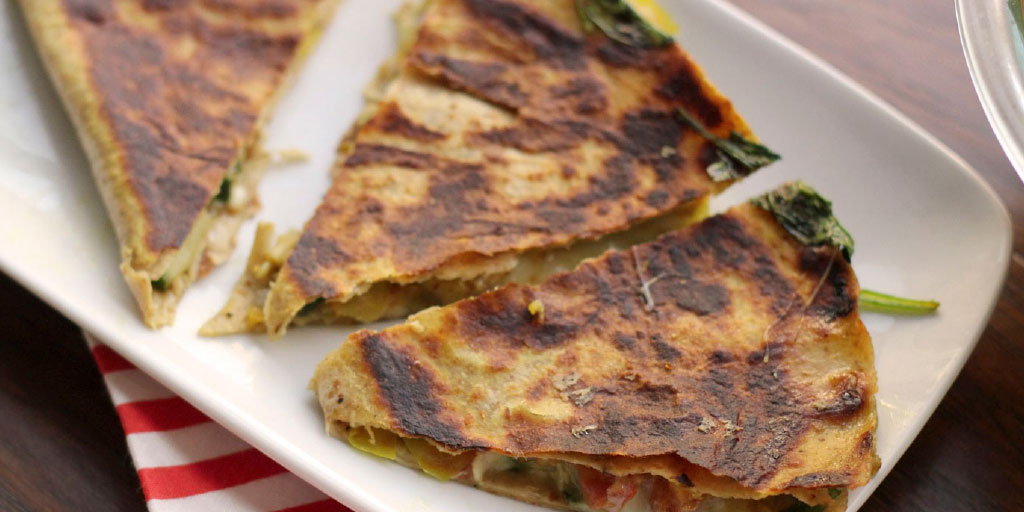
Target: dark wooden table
x=61 y=446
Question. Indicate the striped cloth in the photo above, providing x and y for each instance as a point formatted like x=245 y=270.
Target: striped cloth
x=188 y=463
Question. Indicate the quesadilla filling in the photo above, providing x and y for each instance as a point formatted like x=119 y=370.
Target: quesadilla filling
x=388 y=300
x=159 y=279
x=457 y=177
x=568 y=485
x=722 y=367
x=167 y=99
x=397 y=299
x=212 y=237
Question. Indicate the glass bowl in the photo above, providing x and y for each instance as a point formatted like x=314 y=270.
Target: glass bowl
x=994 y=47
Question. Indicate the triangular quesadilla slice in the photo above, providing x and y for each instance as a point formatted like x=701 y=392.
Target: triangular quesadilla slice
x=720 y=367
x=168 y=99
x=506 y=140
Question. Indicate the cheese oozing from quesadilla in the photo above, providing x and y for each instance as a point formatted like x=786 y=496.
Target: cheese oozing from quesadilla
x=721 y=367
x=505 y=135
x=168 y=99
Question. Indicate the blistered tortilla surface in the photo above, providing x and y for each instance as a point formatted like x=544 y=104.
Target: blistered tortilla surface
x=508 y=128
x=729 y=346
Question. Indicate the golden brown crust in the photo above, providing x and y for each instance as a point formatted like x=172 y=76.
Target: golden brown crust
x=728 y=346
x=508 y=129
x=166 y=96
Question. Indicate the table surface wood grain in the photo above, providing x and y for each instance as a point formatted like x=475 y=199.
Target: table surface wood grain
x=61 y=446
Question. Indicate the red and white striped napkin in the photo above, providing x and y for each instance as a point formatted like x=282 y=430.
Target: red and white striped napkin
x=187 y=462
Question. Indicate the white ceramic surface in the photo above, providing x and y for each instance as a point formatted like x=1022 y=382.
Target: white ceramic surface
x=994 y=48
x=925 y=226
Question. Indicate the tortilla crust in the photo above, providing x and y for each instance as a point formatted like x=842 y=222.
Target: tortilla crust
x=507 y=129
x=166 y=97
x=751 y=363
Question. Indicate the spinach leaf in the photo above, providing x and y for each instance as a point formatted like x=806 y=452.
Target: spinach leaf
x=807 y=216
x=160 y=285
x=225 y=191
x=310 y=307
x=620 y=23
x=224 y=194
x=737 y=156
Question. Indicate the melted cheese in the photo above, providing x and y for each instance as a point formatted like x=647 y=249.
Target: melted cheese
x=394 y=300
x=212 y=235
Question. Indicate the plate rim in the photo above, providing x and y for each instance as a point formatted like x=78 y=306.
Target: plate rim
x=246 y=426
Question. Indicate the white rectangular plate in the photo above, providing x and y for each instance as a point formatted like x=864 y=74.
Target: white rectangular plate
x=924 y=223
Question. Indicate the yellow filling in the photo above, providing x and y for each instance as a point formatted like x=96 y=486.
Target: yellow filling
x=395 y=300
x=233 y=197
x=434 y=462
x=556 y=483
x=190 y=249
x=654 y=14
x=382 y=443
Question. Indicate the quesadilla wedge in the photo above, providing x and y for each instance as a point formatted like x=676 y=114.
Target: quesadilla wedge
x=721 y=367
x=168 y=99
x=508 y=139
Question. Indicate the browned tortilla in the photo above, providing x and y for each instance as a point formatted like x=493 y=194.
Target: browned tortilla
x=167 y=96
x=507 y=129
x=727 y=352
